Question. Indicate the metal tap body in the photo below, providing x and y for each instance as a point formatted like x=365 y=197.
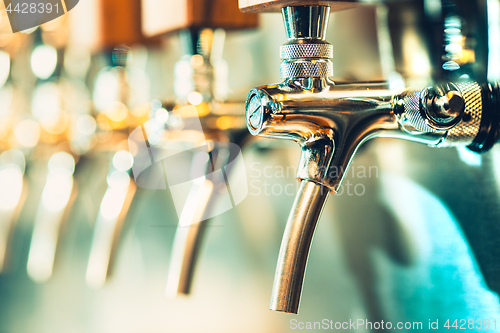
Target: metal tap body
x=330 y=121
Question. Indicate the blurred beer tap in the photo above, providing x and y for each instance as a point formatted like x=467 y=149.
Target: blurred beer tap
x=121 y=100
x=330 y=121
x=13 y=192
x=201 y=80
x=439 y=41
x=56 y=201
x=109 y=223
x=13 y=183
x=435 y=41
x=111 y=98
x=50 y=108
x=200 y=84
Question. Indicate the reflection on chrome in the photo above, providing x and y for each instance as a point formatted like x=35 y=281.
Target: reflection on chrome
x=108 y=226
x=50 y=216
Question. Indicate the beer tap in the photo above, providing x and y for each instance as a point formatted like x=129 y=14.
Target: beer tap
x=50 y=110
x=330 y=121
x=121 y=102
x=200 y=84
x=12 y=166
x=114 y=119
x=224 y=132
x=13 y=188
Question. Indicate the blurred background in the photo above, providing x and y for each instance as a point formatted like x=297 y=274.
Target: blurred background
x=83 y=249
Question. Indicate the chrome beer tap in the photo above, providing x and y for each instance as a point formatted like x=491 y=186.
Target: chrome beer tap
x=200 y=85
x=13 y=195
x=223 y=125
x=115 y=119
x=13 y=181
x=330 y=121
x=52 y=111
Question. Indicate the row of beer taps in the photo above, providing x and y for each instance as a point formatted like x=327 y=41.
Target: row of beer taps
x=86 y=107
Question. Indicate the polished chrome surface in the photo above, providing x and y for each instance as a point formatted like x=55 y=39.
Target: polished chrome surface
x=331 y=121
x=307 y=50
x=420 y=243
x=306 y=54
x=444 y=106
x=305 y=21
x=306 y=68
x=324 y=118
x=409 y=105
x=294 y=251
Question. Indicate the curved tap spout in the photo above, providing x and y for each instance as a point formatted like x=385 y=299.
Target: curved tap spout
x=295 y=246
x=189 y=233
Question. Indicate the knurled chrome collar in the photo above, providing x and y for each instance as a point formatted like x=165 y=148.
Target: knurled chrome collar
x=306 y=68
x=302 y=58
x=306 y=50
